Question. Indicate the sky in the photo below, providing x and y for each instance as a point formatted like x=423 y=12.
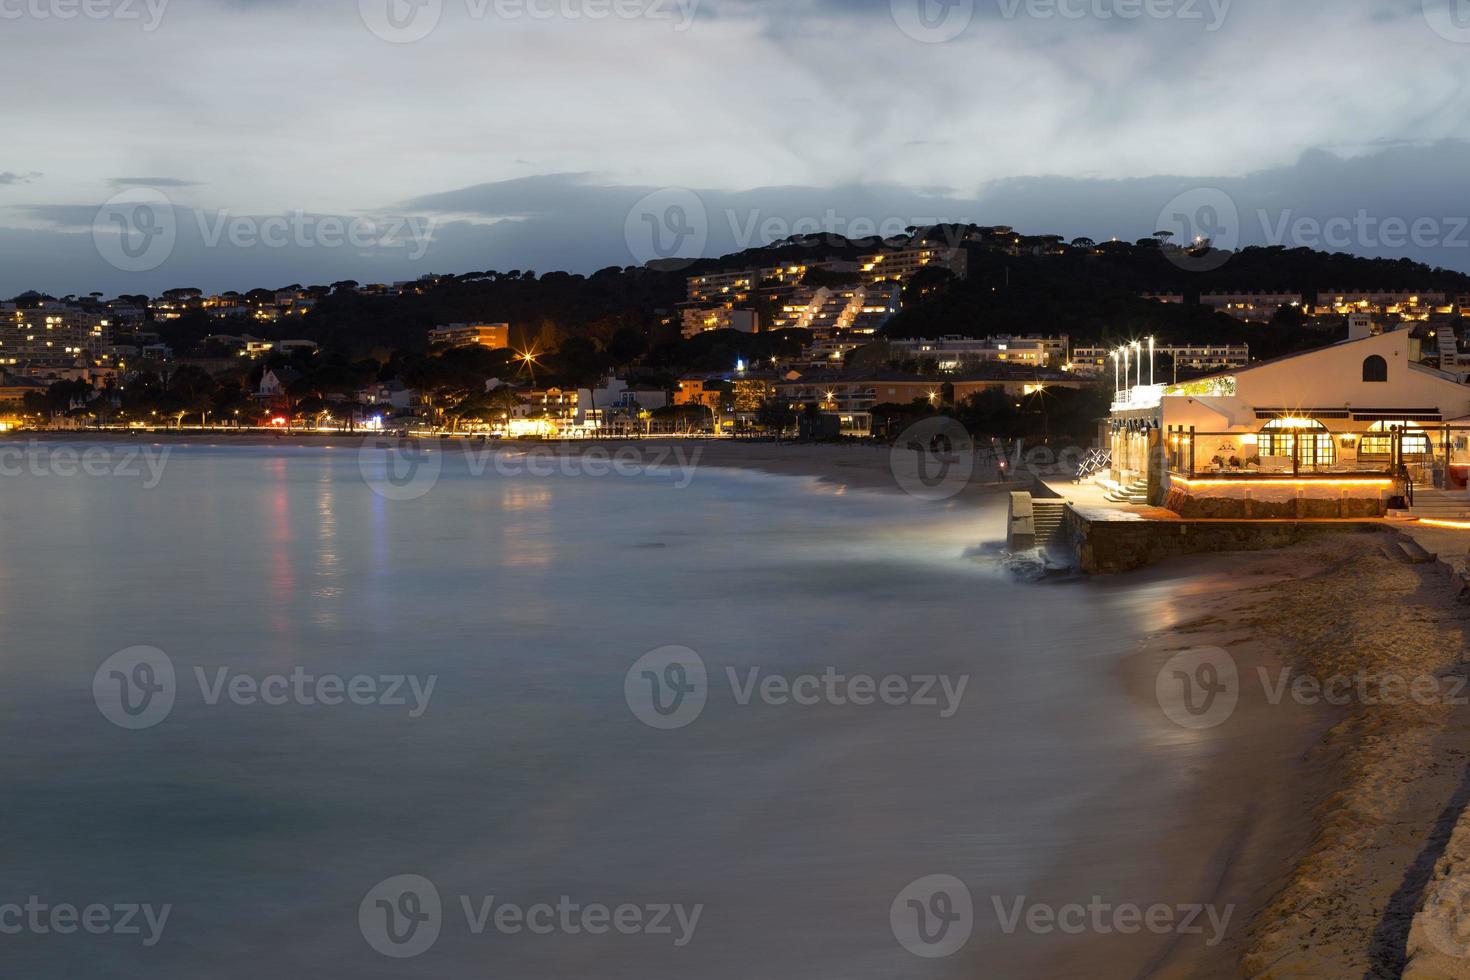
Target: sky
x=229 y=144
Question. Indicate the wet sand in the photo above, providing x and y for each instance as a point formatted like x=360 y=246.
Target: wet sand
x=1323 y=821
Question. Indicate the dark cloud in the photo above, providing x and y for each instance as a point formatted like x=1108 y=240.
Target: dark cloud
x=121 y=182
x=1368 y=205
x=8 y=177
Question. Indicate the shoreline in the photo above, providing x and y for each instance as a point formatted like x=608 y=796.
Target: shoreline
x=1341 y=824
x=1323 y=830
x=1240 y=809
x=854 y=466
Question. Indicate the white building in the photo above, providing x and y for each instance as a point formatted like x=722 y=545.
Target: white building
x=1328 y=433
x=832 y=313
x=955 y=353
x=1097 y=361
x=596 y=406
x=389 y=394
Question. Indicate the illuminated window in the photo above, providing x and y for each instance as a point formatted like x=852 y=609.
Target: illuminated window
x=1305 y=439
x=1377 y=442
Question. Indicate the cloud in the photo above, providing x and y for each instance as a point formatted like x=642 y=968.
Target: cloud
x=771 y=109
x=121 y=182
x=7 y=178
x=1369 y=205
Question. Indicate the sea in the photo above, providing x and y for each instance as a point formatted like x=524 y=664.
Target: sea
x=282 y=711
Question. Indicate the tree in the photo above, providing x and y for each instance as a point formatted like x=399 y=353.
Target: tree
x=579 y=363
x=626 y=346
x=685 y=418
x=775 y=415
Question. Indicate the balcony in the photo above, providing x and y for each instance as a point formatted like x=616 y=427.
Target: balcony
x=1138 y=398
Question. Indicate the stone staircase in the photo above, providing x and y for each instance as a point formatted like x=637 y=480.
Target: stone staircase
x=1047 y=515
x=1408 y=551
x=1135 y=493
x=1440 y=505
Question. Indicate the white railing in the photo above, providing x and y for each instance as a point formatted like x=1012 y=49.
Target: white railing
x=1142 y=396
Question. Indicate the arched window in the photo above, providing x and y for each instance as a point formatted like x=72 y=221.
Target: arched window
x=1306 y=439
x=1375 y=368
x=1377 y=443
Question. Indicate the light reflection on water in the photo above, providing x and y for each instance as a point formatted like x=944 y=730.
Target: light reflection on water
x=529 y=778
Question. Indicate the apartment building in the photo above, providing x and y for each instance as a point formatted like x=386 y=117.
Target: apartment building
x=696 y=320
x=1397 y=302
x=900 y=265
x=831 y=313
x=493 y=335
x=1261 y=306
x=53 y=332
x=954 y=353
x=1096 y=361
x=742 y=285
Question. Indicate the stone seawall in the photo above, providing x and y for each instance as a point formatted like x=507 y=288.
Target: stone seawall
x=1206 y=507
x=1106 y=546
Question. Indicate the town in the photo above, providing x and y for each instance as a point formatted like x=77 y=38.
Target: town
x=798 y=346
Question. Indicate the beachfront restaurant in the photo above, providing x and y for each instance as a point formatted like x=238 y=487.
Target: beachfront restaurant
x=1336 y=432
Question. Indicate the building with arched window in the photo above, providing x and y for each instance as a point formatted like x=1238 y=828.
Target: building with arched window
x=1330 y=432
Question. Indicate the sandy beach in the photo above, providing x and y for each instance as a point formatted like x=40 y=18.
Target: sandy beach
x=1331 y=804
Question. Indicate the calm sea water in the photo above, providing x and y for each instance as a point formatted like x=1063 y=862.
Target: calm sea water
x=528 y=777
